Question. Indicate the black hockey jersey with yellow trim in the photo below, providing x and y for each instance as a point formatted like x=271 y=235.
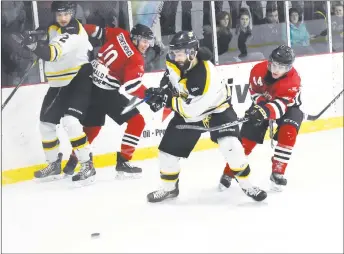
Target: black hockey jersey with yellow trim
x=198 y=90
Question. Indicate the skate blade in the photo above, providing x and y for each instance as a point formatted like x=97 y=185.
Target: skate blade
x=48 y=179
x=127 y=176
x=222 y=188
x=67 y=176
x=167 y=199
x=275 y=187
x=86 y=182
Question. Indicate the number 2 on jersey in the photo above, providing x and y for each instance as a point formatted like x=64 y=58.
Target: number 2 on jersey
x=110 y=55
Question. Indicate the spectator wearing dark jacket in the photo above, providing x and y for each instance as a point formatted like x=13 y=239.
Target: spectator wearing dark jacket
x=244 y=29
x=223 y=32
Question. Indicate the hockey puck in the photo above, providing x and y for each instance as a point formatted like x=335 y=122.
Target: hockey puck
x=95 y=235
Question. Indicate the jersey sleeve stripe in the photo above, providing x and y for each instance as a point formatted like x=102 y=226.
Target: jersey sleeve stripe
x=273 y=110
x=207 y=82
x=99 y=34
x=133 y=87
x=53 y=53
x=58 y=49
x=278 y=107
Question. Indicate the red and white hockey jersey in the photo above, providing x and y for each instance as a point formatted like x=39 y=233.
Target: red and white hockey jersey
x=119 y=63
x=277 y=95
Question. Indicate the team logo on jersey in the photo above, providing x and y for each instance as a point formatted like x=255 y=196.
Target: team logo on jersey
x=124 y=45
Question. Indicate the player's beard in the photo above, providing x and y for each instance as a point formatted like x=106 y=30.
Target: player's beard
x=184 y=65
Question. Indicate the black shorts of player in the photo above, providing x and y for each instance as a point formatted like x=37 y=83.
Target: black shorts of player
x=72 y=99
x=107 y=102
x=180 y=143
x=293 y=116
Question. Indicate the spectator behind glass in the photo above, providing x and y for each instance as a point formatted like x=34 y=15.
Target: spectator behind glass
x=337 y=20
x=244 y=29
x=15 y=18
x=223 y=30
x=337 y=27
x=271 y=15
x=299 y=35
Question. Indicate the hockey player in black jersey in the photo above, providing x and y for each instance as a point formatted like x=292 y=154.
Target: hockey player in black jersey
x=197 y=96
x=68 y=71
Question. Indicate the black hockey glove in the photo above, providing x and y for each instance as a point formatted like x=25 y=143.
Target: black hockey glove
x=257 y=114
x=26 y=40
x=158 y=98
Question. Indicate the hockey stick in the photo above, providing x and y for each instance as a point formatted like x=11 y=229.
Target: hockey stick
x=19 y=84
x=242 y=120
x=216 y=128
x=271 y=132
x=315 y=117
x=134 y=105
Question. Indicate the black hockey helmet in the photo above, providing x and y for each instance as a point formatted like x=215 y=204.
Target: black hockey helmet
x=184 y=40
x=187 y=42
x=283 y=56
x=140 y=31
x=63 y=6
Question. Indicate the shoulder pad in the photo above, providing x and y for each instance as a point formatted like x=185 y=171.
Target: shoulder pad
x=204 y=54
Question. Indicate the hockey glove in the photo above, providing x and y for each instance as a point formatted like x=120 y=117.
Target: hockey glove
x=257 y=114
x=26 y=40
x=158 y=98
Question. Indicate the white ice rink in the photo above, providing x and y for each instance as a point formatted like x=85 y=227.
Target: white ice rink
x=307 y=217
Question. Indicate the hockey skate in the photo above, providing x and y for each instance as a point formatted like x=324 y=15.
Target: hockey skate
x=162 y=194
x=278 y=182
x=51 y=172
x=126 y=171
x=87 y=173
x=225 y=182
x=255 y=193
x=69 y=169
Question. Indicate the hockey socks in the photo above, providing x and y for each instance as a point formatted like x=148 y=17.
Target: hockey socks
x=132 y=136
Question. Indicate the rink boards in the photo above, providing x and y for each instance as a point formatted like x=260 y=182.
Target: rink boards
x=321 y=75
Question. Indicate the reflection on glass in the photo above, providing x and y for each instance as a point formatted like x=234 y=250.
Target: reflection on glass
x=259 y=28
x=166 y=18
x=308 y=25
x=337 y=26
x=16 y=17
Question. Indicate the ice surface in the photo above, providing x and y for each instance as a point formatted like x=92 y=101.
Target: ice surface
x=307 y=217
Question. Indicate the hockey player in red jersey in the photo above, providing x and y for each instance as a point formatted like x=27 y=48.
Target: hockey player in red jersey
x=118 y=69
x=275 y=93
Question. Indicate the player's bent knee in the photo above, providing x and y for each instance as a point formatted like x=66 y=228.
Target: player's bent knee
x=138 y=121
x=233 y=152
x=287 y=135
x=168 y=163
x=48 y=130
x=72 y=126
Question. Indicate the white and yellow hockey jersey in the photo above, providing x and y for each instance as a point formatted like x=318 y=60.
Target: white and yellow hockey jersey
x=201 y=91
x=69 y=48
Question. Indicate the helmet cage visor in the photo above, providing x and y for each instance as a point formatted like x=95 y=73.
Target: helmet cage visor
x=149 y=40
x=280 y=68
x=186 y=54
